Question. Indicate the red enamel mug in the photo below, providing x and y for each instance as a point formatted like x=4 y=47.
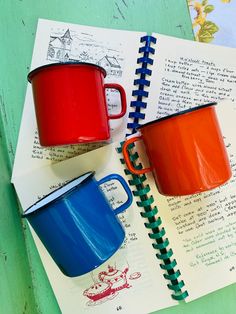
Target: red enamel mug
x=186 y=152
x=70 y=103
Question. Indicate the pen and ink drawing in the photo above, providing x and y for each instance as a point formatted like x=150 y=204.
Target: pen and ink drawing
x=111 y=65
x=68 y=46
x=59 y=47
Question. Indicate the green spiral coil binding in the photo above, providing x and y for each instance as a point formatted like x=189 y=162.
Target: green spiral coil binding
x=165 y=255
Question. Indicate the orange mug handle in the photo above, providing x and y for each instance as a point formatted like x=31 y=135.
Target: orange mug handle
x=127 y=159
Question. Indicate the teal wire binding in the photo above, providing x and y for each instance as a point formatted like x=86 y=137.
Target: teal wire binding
x=156 y=231
x=153 y=224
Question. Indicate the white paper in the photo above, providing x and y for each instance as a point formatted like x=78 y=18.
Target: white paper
x=146 y=290
x=201 y=228
x=116 y=51
x=184 y=74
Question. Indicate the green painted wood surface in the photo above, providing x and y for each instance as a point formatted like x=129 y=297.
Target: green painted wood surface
x=24 y=287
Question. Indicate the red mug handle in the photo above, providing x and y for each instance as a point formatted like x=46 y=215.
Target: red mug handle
x=123 y=100
x=127 y=159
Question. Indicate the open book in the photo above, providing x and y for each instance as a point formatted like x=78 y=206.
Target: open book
x=183 y=247
x=161 y=75
x=194 y=237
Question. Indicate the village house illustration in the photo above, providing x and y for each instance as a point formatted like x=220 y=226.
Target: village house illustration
x=59 y=50
x=111 y=65
x=59 y=47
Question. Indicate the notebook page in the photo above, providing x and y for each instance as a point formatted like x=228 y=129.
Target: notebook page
x=201 y=228
x=115 y=50
x=147 y=290
x=187 y=73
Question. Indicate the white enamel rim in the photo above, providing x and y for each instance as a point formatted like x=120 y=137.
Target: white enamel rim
x=57 y=193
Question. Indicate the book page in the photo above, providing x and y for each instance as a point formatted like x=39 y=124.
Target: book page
x=187 y=74
x=201 y=228
x=143 y=288
x=115 y=50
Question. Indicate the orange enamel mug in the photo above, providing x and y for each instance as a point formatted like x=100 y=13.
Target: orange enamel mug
x=186 y=151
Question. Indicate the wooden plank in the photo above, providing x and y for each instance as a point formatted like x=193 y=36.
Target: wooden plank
x=18 y=26
x=16 y=293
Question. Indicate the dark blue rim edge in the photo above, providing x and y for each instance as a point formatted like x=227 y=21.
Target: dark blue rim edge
x=177 y=114
x=25 y=215
x=45 y=66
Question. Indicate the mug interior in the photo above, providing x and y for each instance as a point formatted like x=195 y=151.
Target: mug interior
x=57 y=193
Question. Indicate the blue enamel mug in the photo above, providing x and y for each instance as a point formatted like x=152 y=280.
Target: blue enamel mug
x=77 y=225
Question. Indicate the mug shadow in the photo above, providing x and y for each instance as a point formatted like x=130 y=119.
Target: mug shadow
x=79 y=165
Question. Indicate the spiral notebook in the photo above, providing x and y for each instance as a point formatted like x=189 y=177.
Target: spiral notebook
x=174 y=247
x=160 y=74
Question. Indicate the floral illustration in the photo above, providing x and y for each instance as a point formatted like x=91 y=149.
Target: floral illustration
x=202 y=18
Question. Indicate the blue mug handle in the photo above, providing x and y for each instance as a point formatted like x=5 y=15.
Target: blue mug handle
x=119 y=178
